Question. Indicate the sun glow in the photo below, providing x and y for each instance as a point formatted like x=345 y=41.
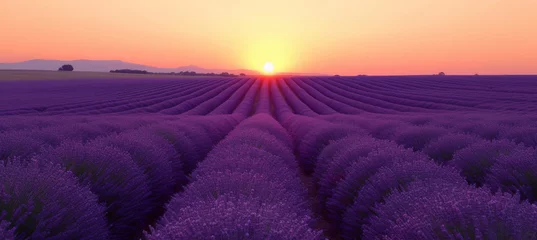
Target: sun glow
x=263 y=48
x=268 y=67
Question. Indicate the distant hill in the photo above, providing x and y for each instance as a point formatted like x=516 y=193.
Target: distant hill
x=107 y=65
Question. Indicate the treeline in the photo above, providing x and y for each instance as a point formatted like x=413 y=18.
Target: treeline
x=182 y=73
x=130 y=71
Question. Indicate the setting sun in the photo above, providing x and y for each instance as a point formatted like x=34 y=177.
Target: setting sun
x=269 y=67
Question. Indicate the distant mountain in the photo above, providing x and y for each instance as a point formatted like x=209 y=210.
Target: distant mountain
x=107 y=65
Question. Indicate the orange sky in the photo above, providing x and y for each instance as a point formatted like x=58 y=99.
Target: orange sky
x=337 y=36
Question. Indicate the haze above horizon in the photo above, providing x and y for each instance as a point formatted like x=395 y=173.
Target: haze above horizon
x=333 y=37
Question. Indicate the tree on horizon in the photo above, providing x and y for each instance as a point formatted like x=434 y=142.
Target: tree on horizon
x=66 y=68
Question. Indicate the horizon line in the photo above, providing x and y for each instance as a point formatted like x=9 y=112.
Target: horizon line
x=260 y=72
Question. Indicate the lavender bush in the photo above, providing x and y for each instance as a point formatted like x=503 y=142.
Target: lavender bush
x=113 y=176
x=255 y=157
x=524 y=135
x=47 y=202
x=248 y=184
x=337 y=148
x=266 y=123
x=5 y=232
x=445 y=210
x=82 y=132
x=229 y=217
x=244 y=157
x=475 y=160
x=388 y=179
x=153 y=156
x=244 y=170
x=515 y=172
x=342 y=194
x=19 y=144
x=417 y=137
x=381 y=152
x=258 y=139
x=486 y=130
x=191 y=143
x=442 y=149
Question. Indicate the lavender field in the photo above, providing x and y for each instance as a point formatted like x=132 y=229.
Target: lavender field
x=423 y=157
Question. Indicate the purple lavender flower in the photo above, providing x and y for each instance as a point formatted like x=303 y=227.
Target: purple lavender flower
x=48 y=203
x=244 y=157
x=416 y=137
x=190 y=142
x=316 y=140
x=258 y=139
x=216 y=126
x=153 y=155
x=420 y=120
x=486 y=130
x=232 y=217
x=5 y=232
x=515 y=172
x=386 y=129
x=521 y=134
x=18 y=144
x=340 y=194
x=442 y=149
x=338 y=148
x=475 y=160
x=82 y=132
x=266 y=123
x=374 y=190
x=250 y=184
x=446 y=210
x=113 y=176
x=250 y=167
x=382 y=152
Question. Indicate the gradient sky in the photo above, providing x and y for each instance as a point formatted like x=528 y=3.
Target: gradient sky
x=337 y=36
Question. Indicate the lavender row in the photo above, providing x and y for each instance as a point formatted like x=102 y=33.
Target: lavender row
x=46 y=202
x=395 y=97
x=26 y=143
x=281 y=108
x=195 y=100
x=344 y=98
x=248 y=187
x=149 y=102
x=358 y=177
x=206 y=106
x=59 y=94
x=311 y=101
x=263 y=100
x=390 y=93
x=292 y=100
x=171 y=100
x=319 y=94
x=416 y=97
x=428 y=95
x=444 y=210
x=246 y=105
x=416 y=131
x=112 y=106
x=306 y=96
x=229 y=104
x=311 y=135
x=487 y=97
x=131 y=173
x=331 y=153
x=369 y=101
x=107 y=103
x=501 y=166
